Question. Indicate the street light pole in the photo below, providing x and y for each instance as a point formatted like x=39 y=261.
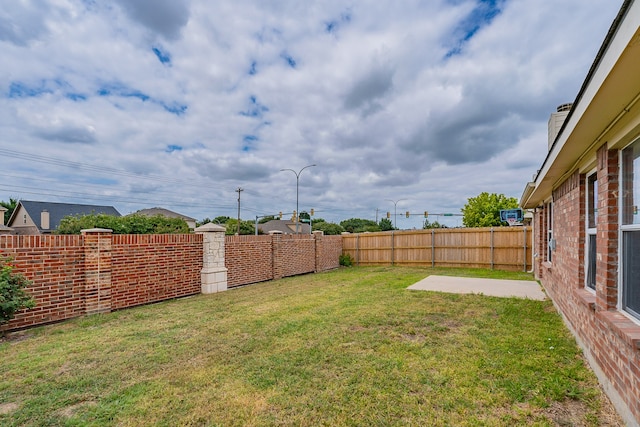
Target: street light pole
x=297 y=174
x=395 y=213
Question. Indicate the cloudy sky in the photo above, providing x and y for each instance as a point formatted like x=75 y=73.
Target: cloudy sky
x=143 y=103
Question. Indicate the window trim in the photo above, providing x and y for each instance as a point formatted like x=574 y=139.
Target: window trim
x=622 y=228
x=591 y=202
x=551 y=243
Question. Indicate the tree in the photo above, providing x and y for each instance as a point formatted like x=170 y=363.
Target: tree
x=246 y=227
x=435 y=224
x=130 y=224
x=329 y=228
x=11 y=206
x=385 y=224
x=484 y=209
x=358 y=225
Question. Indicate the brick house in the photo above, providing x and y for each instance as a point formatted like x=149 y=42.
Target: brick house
x=586 y=221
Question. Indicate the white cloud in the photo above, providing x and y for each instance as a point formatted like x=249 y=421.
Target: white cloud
x=432 y=102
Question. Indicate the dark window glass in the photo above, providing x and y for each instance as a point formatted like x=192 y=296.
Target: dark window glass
x=631 y=272
x=591 y=262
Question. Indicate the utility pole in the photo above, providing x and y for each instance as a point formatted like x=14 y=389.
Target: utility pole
x=239 y=190
x=377 y=215
x=395 y=211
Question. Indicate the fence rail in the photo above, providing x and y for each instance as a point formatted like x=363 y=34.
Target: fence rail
x=504 y=248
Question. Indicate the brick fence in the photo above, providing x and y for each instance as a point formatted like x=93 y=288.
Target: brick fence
x=99 y=272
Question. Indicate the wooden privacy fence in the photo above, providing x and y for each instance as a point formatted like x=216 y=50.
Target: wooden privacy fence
x=503 y=248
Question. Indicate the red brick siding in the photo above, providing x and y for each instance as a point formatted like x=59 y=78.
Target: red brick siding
x=55 y=265
x=248 y=259
x=608 y=337
x=148 y=268
x=328 y=251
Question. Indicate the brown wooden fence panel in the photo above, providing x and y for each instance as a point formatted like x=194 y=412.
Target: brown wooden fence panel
x=504 y=248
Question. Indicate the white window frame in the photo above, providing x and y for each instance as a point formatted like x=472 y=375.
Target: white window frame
x=622 y=229
x=551 y=242
x=591 y=201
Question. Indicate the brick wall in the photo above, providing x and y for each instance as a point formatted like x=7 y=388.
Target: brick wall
x=55 y=265
x=99 y=272
x=610 y=340
x=150 y=268
x=252 y=259
x=248 y=259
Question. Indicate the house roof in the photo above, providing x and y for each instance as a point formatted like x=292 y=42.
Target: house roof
x=57 y=211
x=285 y=226
x=164 y=212
x=601 y=110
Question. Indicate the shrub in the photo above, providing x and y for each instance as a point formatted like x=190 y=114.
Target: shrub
x=346 y=260
x=12 y=294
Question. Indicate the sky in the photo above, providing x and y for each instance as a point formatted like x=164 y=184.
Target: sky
x=401 y=106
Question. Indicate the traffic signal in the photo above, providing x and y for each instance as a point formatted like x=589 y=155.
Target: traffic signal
x=388 y=214
x=294 y=216
x=426 y=214
x=280 y=215
x=408 y=214
x=311 y=212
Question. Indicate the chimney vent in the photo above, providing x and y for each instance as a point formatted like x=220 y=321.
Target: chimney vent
x=557 y=120
x=44 y=220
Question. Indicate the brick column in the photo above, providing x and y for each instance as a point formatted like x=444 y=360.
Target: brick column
x=97 y=270
x=214 y=273
x=317 y=235
x=607 y=230
x=276 y=253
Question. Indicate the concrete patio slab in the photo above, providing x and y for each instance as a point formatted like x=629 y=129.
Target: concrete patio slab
x=493 y=287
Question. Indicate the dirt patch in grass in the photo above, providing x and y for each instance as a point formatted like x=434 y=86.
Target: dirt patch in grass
x=71 y=410
x=7 y=408
x=571 y=413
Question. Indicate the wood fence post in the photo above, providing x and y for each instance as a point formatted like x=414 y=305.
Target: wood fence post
x=491 y=233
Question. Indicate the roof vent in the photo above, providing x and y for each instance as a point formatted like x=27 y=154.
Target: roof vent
x=557 y=120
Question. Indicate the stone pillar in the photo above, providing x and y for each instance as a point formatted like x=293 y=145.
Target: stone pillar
x=97 y=270
x=214 y=273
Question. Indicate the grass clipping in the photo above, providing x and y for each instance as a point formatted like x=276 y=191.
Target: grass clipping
x=349 y=347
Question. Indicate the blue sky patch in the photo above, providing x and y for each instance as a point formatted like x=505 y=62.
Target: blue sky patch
x=249 y=142
x=22 y=90
x=481 y=16
x=253 y=69
x=256 y=109
x=334 y=25
x=163 y=57
x=289 y=59
x=171 y=148
x=175 y=108
x=117 y=89
x=76 y=96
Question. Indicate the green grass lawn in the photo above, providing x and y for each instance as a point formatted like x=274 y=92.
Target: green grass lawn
x=347 y=347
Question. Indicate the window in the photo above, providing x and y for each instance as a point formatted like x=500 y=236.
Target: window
x=630 y=226
x=592 y=216
x=551 y=243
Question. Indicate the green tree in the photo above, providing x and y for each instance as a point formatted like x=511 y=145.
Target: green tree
x=484 y=209
x=130 y=224
x=11 y=206
x=435 y=224
x=385 y=224
x=246 y=227
x=358 y=225
x=329 y=228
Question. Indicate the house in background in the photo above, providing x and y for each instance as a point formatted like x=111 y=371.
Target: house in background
x=585 y=199
x=3 y=228
x=286 y=227
x=191 y=222
x=31 y=217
